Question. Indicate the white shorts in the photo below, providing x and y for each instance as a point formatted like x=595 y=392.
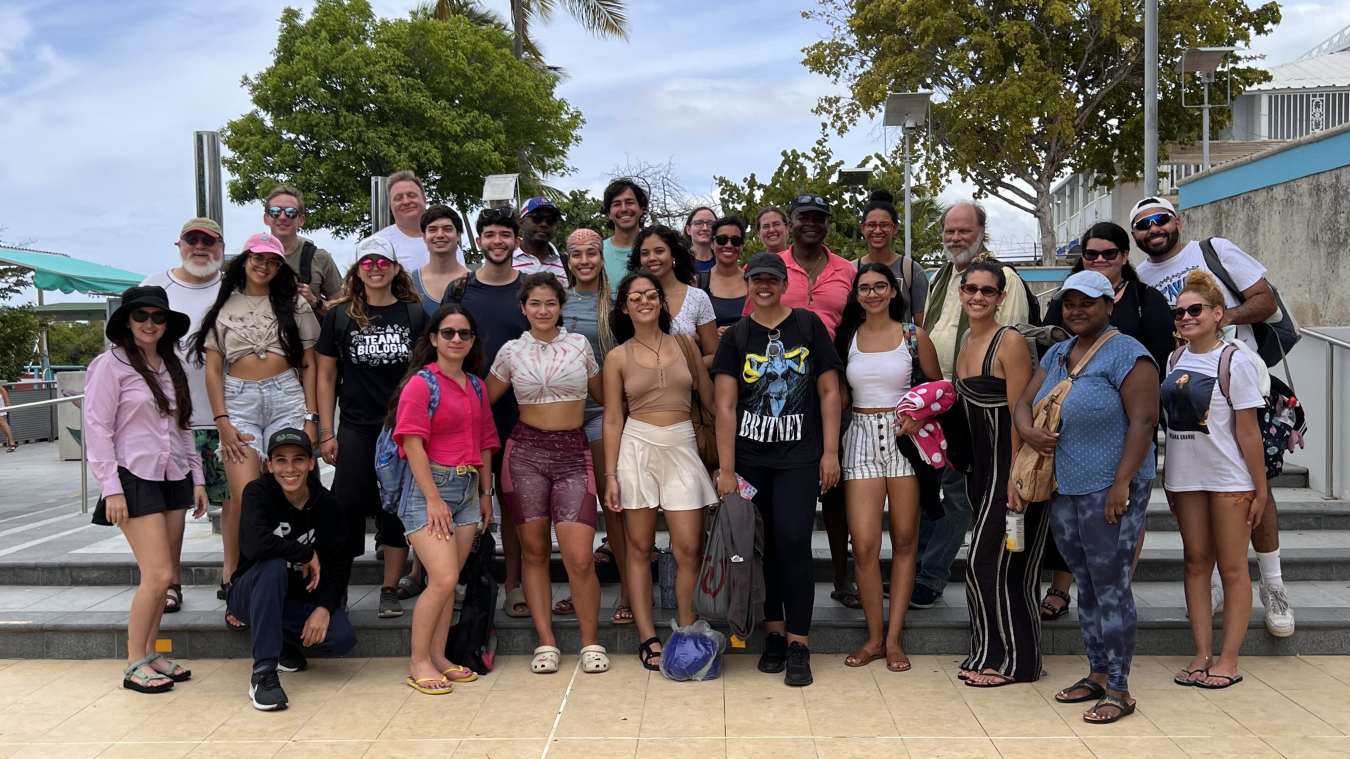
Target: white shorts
x=871 y=448
x=659 y=466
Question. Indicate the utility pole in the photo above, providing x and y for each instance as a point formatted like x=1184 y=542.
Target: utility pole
x=1150 y=97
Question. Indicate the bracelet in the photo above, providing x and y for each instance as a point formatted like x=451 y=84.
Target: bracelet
x=326 y=429
x=325 y=440
x=221 y=416
x=611 y=474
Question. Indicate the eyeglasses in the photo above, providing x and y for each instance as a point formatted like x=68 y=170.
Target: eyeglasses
x=880 y=288
x=158 y=317
x=1109 y=254
x=1152 y=220
x=651 y=296
x=373 y=262
x=465 y=335
x=735 y=240
x=701 y=223
x=1194 y=310
x=196 y=239
x=985 y=290
x=265 y=260
x=276 y=211
x=878 y=226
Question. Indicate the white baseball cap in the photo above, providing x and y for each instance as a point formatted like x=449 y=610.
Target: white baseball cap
x=1150 y=203
x=375 y=246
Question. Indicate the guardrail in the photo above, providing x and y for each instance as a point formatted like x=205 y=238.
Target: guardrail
x=84 y=452
x=1332 y=344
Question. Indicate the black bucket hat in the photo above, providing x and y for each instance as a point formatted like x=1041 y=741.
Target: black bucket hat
x=146 y=295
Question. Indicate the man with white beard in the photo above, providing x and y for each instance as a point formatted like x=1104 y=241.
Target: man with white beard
x=192 y=287
x=963 y=240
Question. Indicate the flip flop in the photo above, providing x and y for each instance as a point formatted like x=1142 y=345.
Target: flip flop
x=1231 y=682
x=847 y=598
x=1095 y=691
x=1005 y=680
x=417 y=685
x=1124 y=706
x=861 y=658
x=463 y=678
x=1188 y=672
x=513 y=599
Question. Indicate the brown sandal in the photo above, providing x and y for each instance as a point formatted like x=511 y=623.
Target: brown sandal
x=861 y=658
x=897 y=662
x=623 y=615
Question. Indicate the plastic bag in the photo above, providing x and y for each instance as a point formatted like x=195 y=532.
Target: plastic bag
x=693 y=652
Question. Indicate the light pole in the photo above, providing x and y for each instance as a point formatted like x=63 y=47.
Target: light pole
x=1150 y=97
x=1204 y=61
x=379 y=205
x=206 y=165
x=907 y=110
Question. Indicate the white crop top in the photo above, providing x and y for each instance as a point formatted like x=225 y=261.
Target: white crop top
x=551 y=372
x=878 y=380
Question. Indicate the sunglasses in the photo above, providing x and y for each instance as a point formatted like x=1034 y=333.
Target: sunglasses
x=158 y=317
x=648 y=295
x=735 y=240
x=548 y=217
x=375 y=262
x=276 y=211
x=267 y=261
x=1153 y=220
x=985 y=290
x=1109 y=254
x=1194 y=310
x=196 y=239
x=880 y=288
x=494 y=214
x=465 y=335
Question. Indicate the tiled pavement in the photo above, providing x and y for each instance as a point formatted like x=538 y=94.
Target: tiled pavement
x=1294 y=707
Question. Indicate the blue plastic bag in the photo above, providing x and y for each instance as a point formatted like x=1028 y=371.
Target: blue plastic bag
x=693 y=652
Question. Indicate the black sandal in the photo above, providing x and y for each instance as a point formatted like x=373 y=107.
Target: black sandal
x=1125 y=708
x=1095 y=691
x=1231 y=681
x=646 y=654
x=173 y=600
x=224 y=593
x=1048 y=611
x=241 y=627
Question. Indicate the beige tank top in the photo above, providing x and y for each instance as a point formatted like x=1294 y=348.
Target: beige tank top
x=665 y=388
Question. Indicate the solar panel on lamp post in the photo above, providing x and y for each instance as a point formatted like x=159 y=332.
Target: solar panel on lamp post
x=499 y=190
x=1204 y=61
x=909 y=111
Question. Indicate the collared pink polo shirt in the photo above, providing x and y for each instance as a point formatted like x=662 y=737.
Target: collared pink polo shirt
x=826 y=298
x=462 y=427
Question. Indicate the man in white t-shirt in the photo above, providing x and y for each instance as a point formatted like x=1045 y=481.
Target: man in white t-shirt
x=407 y=202
x=1156 y=229
x=192 y=287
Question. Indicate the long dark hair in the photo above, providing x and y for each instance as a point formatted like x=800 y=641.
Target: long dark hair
x=424 y=353
x=1111 y=232
x=181 y=409
x=282 y=292
x=854 y=314
x=620 y=323
x=354 y=293
x=681 y=259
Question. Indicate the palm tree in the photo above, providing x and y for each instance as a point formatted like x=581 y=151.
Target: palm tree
x=603 y=18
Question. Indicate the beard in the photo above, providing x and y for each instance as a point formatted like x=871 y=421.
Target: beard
x=962 y=254
x=1152 y=248
x=201 y=270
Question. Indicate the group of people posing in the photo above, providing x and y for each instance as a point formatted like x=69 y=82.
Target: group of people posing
x=549 y=384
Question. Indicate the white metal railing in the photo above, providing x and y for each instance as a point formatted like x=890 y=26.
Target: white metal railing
x=1332 y=344
x=84 y=452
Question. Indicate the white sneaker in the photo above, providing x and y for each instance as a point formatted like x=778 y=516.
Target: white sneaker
x=1279 y=617
x=1216 y=599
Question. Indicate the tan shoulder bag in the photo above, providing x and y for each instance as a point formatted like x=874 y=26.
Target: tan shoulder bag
x=705 y=429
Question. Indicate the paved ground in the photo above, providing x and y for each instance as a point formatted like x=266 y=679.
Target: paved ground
x=1291 y=707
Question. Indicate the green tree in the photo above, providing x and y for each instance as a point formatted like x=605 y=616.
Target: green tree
x=74 y=343
x=19 y=327
x=579 y=210
x=1025 y=90
x=349 y=96
x=817 y=171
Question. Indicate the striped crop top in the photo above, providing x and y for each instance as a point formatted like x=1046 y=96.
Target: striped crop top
x=547 y=372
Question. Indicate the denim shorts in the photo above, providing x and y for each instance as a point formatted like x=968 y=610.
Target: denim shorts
x=459 y=491
x=262 y=407
x=594 y=424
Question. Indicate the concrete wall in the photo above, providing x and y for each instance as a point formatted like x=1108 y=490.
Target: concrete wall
x=1308 y=365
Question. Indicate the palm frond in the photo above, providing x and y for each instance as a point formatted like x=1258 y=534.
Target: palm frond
x=603 y=18
x=444 y=10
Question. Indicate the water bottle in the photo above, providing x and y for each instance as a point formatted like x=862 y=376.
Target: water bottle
x=1016 y=525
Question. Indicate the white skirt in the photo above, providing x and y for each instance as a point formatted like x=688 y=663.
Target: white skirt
x=659 y=466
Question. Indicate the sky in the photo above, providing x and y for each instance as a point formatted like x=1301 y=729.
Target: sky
x=99 y=100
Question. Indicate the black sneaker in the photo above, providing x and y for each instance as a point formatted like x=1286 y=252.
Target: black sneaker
x=923 y=597
x=264 y=690
x=775 y=653
x=292 y=660
x=798 y=665
x=389 y=605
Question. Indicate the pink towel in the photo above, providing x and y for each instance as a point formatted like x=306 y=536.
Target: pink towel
x=925 y=402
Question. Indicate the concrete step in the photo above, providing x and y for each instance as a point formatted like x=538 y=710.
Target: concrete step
x=70 y=623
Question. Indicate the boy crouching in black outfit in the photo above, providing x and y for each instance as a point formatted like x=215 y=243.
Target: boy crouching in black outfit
x=293 y=568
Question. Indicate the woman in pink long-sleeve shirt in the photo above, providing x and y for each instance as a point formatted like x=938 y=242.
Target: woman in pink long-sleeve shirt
x=137 y=424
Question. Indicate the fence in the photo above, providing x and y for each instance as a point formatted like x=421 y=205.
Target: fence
x=37 y=423
x=49 y=406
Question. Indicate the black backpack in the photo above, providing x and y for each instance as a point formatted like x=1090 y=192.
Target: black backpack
x=306 y=273
x=473 y=640
x=1274 y=339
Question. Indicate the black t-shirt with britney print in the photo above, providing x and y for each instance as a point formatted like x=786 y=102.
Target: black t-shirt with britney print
x=778 y=410
x=371 y=362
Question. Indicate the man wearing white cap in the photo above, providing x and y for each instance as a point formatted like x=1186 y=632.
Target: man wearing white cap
x=1156 y=228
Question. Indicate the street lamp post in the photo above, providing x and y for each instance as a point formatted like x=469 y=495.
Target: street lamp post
x=1150 y=97
x=907 y=110
x=1204 y=62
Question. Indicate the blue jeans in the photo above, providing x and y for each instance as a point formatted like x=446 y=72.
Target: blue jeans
x=262 y=407
x=259 y=600
x=459 y=490
x=939 y=540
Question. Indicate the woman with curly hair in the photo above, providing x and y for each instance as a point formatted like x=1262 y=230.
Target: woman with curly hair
x=659 y=250
x=264 y=332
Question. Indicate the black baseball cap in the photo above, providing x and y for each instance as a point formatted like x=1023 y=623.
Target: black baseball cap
x=766 y=263
x=289 y=436
x=809 y=201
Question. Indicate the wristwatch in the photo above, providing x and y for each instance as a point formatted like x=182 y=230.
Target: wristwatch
x=312 y=417
x=490 y=492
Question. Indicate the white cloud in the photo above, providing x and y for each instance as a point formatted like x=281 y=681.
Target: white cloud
x=14 y=29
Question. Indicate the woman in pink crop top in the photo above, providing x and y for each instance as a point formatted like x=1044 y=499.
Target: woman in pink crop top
x=546 y=465
x=651 y=460
x=450 y=456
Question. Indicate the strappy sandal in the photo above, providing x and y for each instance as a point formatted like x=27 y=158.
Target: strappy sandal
x=141 y=681
x=173 y=599
x=420 y=688
x=1048 y=611
x=862 y=657
x=513 y=599
x=623 y=615
x=848 y=598
x=546 y=659
x=181 y=677
x=1231 y=681
x=408 y=587
x=462 y=674
x=12 y=447
x=594 y=660
x=1124 y=706
x=646 y=654
x=564 y=607
x=1094 y=691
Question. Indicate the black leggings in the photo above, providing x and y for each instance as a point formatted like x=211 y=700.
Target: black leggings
x=787 y=502
x=357 y=491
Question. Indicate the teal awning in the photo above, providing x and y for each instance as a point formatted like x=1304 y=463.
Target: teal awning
x=53 y=271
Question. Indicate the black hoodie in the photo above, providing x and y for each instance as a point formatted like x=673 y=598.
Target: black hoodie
x=270 y=527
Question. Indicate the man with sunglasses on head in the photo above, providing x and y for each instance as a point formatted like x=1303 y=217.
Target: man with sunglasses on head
x=1156 y=229
x=538 y=218
x=192 y=287
x=320 y=280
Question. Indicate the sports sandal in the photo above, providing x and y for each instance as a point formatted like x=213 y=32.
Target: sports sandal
x=420 y=688
x=173 y=599
x=181 y=677
x=1048 y=611
x=646 y=654
x=594 y=660
x=1125 y=708
x=513 y=599
x=1094 y=691
x=546 y=660
x=134 y=679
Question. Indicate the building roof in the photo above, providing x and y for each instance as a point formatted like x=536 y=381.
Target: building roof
x=1317 y=72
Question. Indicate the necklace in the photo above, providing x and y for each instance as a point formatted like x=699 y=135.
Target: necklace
x=660 y=370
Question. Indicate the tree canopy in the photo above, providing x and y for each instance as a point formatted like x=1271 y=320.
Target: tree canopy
x=19 y=325
x=349 y=96
x=1025 y=90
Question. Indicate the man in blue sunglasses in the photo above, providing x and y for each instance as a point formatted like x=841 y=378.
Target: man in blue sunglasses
x=320 y=280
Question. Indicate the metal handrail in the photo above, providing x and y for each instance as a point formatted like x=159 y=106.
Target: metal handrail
x=1332 y=345
x=84 y=452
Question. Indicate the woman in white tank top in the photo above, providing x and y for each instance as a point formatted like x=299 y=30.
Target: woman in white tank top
x=879 y=351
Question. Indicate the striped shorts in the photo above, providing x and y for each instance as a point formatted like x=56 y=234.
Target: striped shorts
x=870 y=449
